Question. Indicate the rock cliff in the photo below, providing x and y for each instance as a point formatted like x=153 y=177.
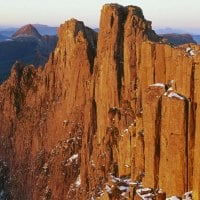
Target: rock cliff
x=109 y=117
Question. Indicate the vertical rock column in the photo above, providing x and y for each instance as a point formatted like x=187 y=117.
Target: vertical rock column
x=137 y=143
x=125 y=151
x=147 y=69
x=173 y=143
x=109 y=64
x=160 y=69
x=151 y=121
x=196 y=168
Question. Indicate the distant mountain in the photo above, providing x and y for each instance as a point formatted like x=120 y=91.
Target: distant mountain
x=169 y=31
x=42 y=29
x=180 y=36
x=192 y=31
x=196 y=38
x=46 y=30
x=2 y=37
x=27 y=46
x=8 y=32
x=178 y=39
x=27 y=31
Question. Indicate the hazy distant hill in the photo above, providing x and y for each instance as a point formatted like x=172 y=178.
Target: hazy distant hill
x=27 y=31
x=196 y=38
x=46 y=30
x=26 y=45
x=42 y=29
x=195 y=33
x=169 y=31
x=8 y=32
x=2 y=37
x=178 y=39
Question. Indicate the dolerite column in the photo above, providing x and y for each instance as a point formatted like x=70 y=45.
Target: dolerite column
x=151 y=121
x=196 y=166
x=173 y=142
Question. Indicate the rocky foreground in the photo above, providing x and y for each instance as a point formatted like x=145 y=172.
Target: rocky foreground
x=109 y=117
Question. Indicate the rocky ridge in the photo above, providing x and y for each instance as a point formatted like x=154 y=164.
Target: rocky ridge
x=104 y=117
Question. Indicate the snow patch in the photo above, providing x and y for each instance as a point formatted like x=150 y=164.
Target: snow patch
x=190 y=51
x=172 y=198
x=73 y=157
x=123 y=188
x=45 y=167
x=126 y=130
x=170 y=89
x=158 y=85
x=108 y=189
x=123 y=180
x=145 y=193
x=188 y=195
x=175 y=95
x=144 y=190
x=78 y=181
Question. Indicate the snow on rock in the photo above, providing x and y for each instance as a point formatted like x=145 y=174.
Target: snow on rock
x=122 y=185
x=144 y=190
x=78 y=181
x=45 y=167
x=188 y=196
x=74 y=157
x=108 y=189
x=123 y=188
x=145 y=193
x=190 y=51
x=123 y=180
x=170 y=89
x=173 y=94
x=173 y=198
x=158 y=85
x=125 y=132
x=92 y=163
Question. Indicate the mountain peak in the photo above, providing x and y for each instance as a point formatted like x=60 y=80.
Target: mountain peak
x=27 y=31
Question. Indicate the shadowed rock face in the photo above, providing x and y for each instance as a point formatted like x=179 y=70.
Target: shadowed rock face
x=94 y=123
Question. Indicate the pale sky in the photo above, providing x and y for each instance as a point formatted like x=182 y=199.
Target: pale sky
x=163 y=13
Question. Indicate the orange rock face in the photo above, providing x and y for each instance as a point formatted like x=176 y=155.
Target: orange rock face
x=103 y=116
